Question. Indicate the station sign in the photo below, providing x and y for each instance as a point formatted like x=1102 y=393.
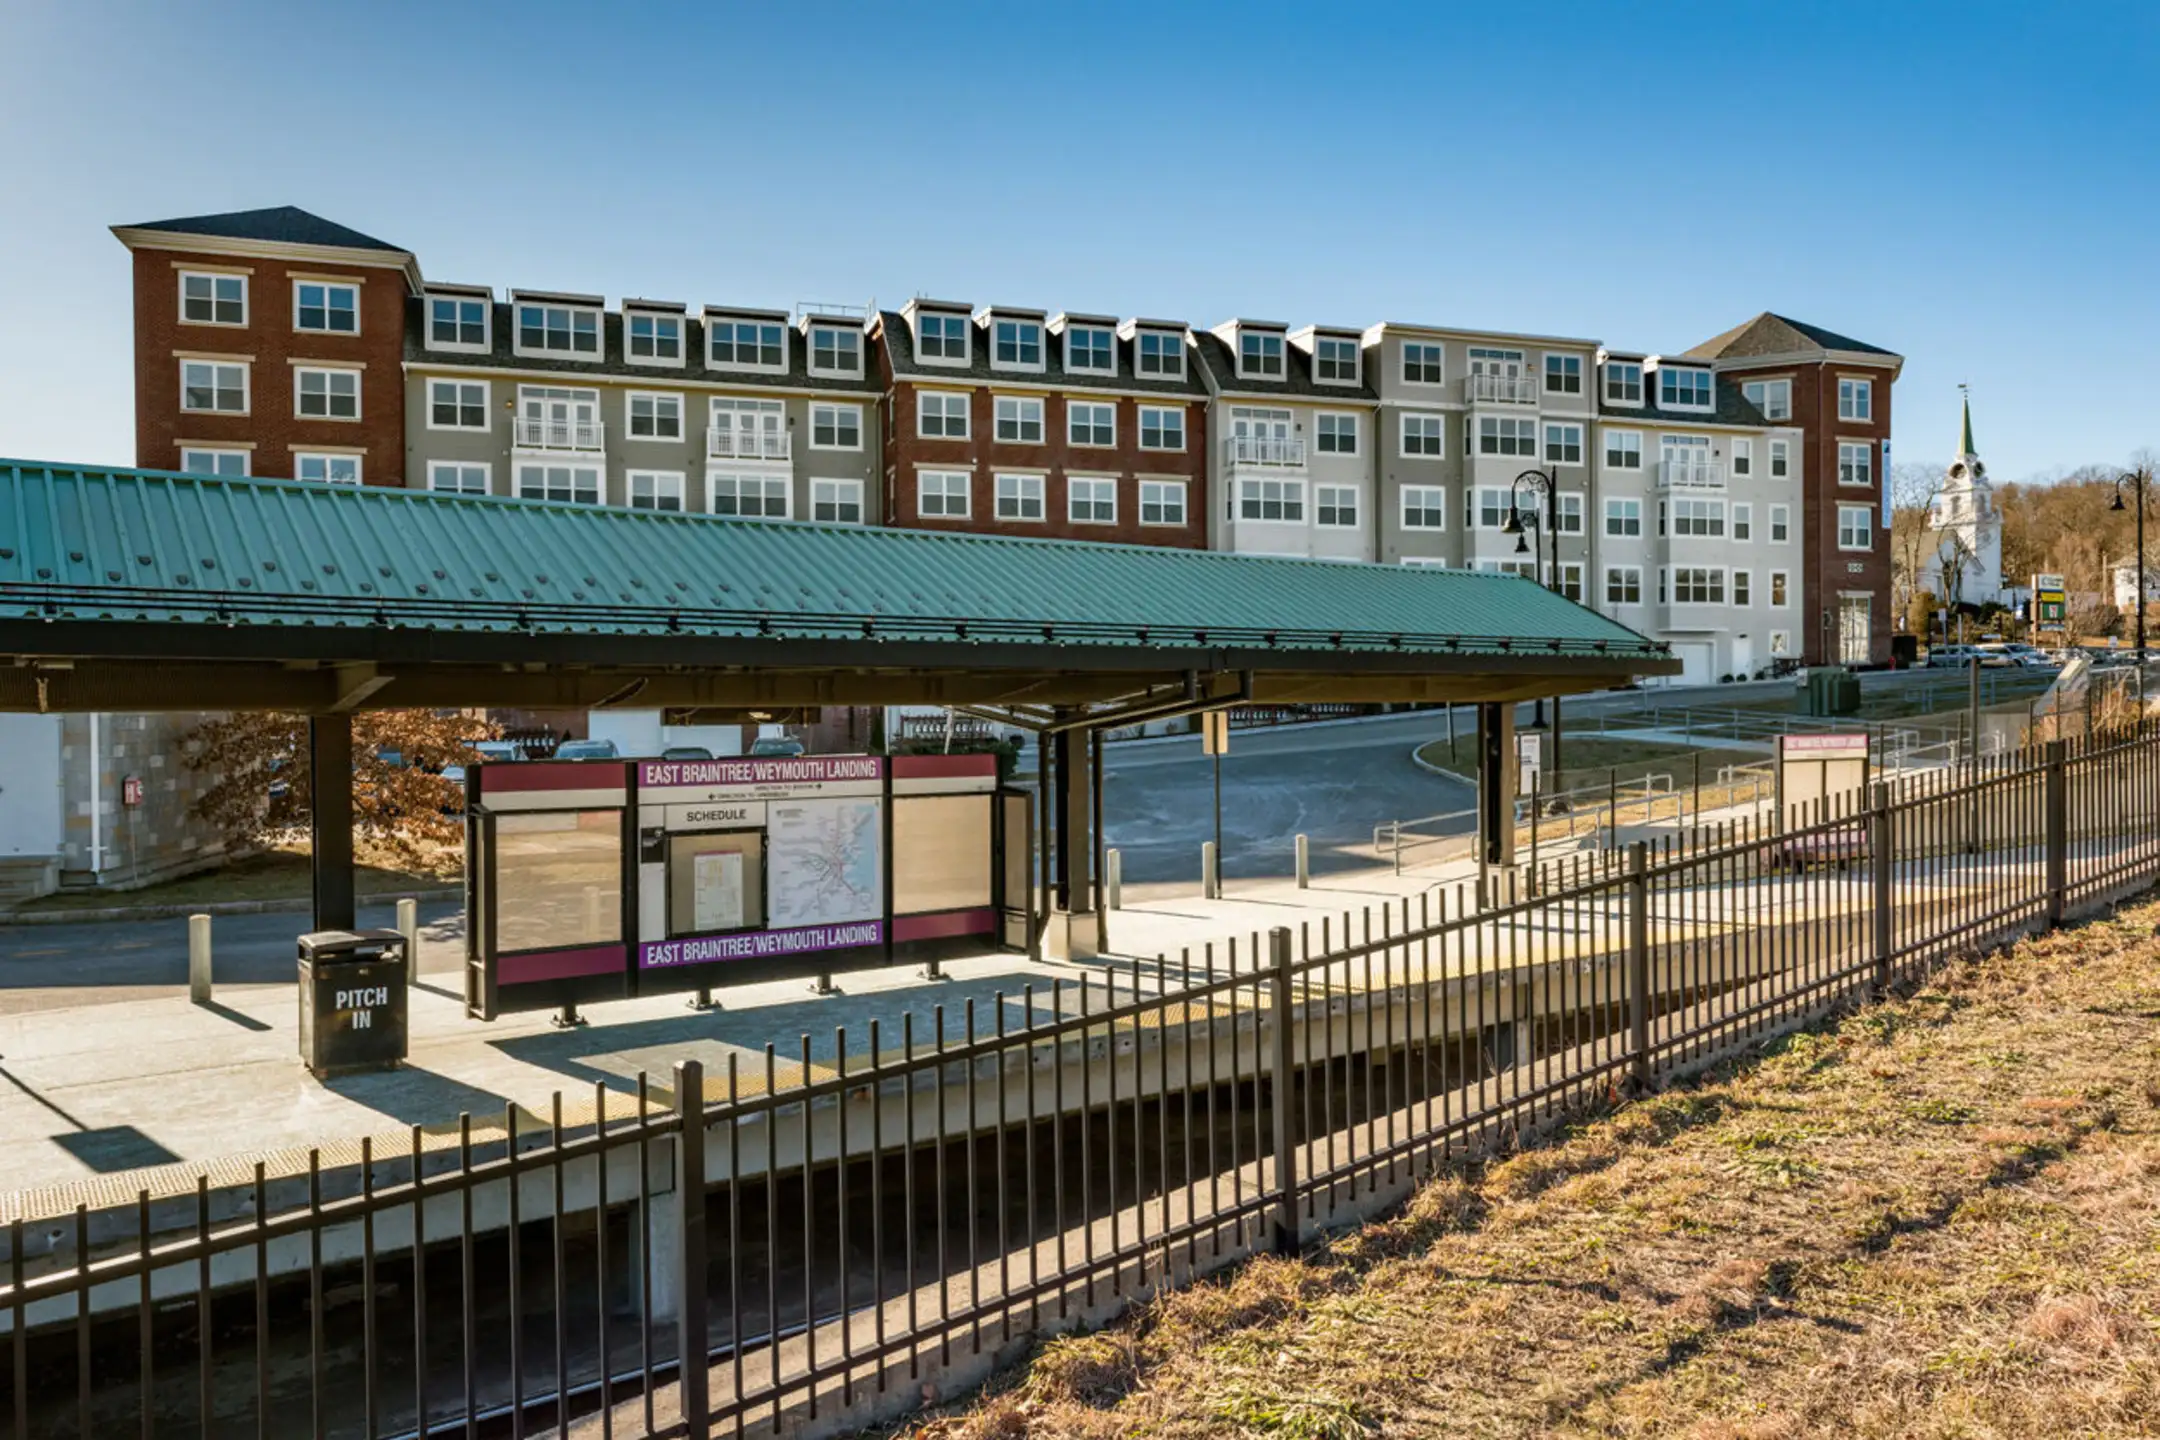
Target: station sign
x=764 y=777
x=2050 y=602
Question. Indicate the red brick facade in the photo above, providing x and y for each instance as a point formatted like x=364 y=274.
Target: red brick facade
x=269 y=343
x=907 y=453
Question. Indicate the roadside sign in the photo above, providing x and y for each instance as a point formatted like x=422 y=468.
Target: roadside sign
x=131 y=790
x=1816 y=773
x=2050 y=602
x=1214 y=732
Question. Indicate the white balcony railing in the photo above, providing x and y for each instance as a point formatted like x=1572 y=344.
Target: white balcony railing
x=747 y=444
x=1500 y=389
x=589 y=436
x=1691 y=475
x=1274 y=451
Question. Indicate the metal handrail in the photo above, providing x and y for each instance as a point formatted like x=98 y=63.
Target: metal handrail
x=1263 y=450
x=1506 y=389
x=581 y=435
x=723 y=444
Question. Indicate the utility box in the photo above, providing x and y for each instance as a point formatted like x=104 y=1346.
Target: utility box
x=354 y=999
x=1832 y=690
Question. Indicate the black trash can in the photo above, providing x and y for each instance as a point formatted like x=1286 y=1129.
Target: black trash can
x=353 y=1001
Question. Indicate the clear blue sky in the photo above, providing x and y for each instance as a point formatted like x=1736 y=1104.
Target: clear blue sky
x=1972 y=185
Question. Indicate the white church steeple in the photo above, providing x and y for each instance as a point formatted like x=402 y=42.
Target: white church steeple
x=1966 y=563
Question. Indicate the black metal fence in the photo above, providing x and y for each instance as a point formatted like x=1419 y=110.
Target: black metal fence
x=834 y=1231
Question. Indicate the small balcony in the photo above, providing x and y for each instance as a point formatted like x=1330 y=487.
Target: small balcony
x=1500 y=389
x=585 y=437
x=748 y=445
x=1690 y=475
x=1264 y=452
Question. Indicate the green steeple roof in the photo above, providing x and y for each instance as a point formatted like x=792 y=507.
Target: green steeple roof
x=1965 y=443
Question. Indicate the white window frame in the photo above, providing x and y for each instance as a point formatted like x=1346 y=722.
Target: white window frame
x=1177 y=413
x=458 y=469
x=1743 y=458
x=1020 y=337
x=1571 y=581
x=1620 y=513
x=1864 y=468
x=658 y=318
x=1437 y=362
x=573 y=469
x=458 y=302
x=1556 y=366
x=329 y=372
x=1338 y=344
x=1673 y=372
x=570 y=314
x=1772 y=397
x=1330 y=497
x=1695 y=518
x=1631 y=448
x=1780 y=524
x=1521 y=432
x=946 y=492
x=1021 y=408
x=1560 y=429
x=1427 y=504
x=351 y=287
x=1169 y=343
x=1013 y=494
x=1780 y=591
x=213 y=276
x=1280 y=348
x=247 y=387
x=715 y=320
x=944 y=399
x=1629 y=578
x=965 y=330
x=1856 y=399
x=1866 y=516
x=836 y=492
x=214 y=454
x=838 y=410
x=1707 y=579
x=329 y=460
x=767 y=486
x=1431 y=427
x=1478 y=515
x=662 y=485
x=458 y=386
x=1253 y=499
x=1090 y=490
x=1163 y=496
x=838 y=333
x=1740 y=587
x=657 y=397
x=1075 y=408
x=1742 y=523
x=1108 y=351
x=1622 y=377
x=1569 y=511
x=1780 y=459
x=1322 y=433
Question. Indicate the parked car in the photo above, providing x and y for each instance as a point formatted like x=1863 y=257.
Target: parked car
x=782 y=745
x=500 y=750
x=1946 y=657
x=587 y=750
x=686 y=752
x=455 y=774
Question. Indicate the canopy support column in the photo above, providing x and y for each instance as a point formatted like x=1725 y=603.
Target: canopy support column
x=1496 y=787
x=330 y=819
x=1075 y=931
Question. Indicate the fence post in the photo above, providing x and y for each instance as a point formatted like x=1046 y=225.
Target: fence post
x=2058 y=832
x=1113 y=879
x=1880 y=857
x=1210 y=872
x=198 y=959
x=1638 y=965
x=691 y=1344
x=1284 y=1082
x=1304 y=862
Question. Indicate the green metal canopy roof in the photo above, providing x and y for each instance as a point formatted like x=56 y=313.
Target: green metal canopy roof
x=203 y=559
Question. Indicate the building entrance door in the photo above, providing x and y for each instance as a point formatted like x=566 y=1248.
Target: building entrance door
x=1262 y=436
x=560 y=419
x=1854 y=625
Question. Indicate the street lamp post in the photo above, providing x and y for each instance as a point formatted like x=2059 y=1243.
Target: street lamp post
x=2137 y=480
x=1543 y=484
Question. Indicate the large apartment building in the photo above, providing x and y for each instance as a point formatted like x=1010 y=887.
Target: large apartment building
x=1727 y=499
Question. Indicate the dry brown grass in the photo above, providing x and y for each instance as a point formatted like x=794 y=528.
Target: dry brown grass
x=1939 y=1218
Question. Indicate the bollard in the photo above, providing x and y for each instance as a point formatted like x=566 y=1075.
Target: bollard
x=408 y=925
x=198 y=959
x=1113 y=879
x=1210 y=878
x=1304 y=862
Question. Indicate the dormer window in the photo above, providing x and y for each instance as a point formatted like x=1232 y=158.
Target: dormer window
x=1260 y=353
x=557 y=329
x=1335 y=361
x=1162 y=352
x=1019 y=343
x=942 y=338
x=653 y=338
x=835 y=350
x=1090 y=347
x=1683 y=389
x=1623 y=382
x=746 y=344
x=457 y=322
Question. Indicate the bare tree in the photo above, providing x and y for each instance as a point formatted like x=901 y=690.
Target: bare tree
x=1912 y=493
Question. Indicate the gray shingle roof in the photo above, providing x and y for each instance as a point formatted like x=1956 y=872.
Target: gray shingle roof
x=611 y=365
x=280 y=224
x=1772 y=334
x=898 y=343
x=1297 y=374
